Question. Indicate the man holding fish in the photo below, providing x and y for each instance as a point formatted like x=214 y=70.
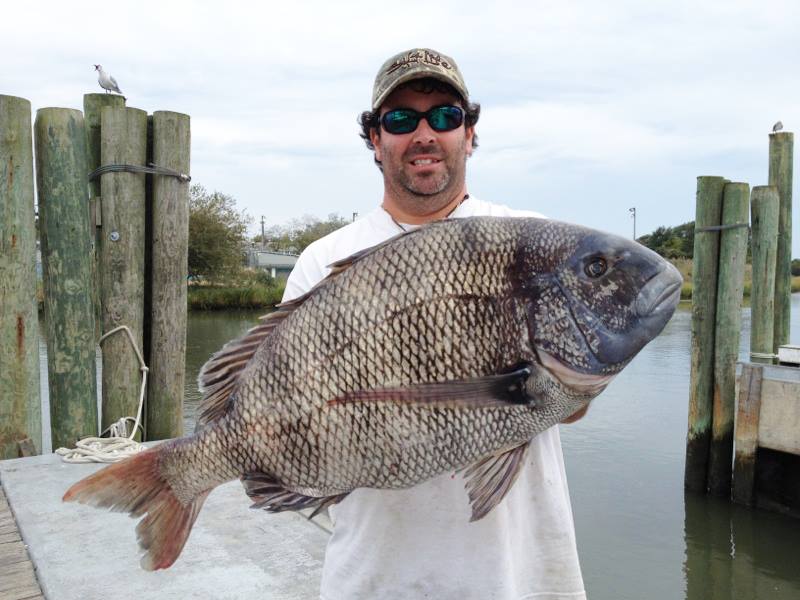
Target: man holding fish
x=419 y=542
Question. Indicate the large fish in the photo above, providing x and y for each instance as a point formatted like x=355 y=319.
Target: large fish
x=447 y=348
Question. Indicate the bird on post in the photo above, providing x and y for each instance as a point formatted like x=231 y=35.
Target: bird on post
x=106 y=81
x=777 y=127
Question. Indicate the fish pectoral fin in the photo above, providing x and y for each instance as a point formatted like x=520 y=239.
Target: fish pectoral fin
x=489 y=479
x=492 y=390
x=268 y=494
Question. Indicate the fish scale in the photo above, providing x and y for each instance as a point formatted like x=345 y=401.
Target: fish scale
x=444 y=349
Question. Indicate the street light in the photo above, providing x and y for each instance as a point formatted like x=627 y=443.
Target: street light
x=632 y=210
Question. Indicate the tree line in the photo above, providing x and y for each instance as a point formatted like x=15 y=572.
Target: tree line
x=218 y=235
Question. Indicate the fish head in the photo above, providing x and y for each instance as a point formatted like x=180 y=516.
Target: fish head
x=594 y=300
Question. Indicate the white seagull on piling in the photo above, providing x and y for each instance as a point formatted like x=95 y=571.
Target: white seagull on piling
x=777 y=127
x=106 y=81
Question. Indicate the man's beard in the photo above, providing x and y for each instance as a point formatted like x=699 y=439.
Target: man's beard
x=419 y=188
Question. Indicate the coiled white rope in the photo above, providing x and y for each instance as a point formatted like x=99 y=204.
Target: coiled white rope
x=119 y=444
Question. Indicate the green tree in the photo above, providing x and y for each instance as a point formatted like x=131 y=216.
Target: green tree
x=216 y=234
x=298 y=234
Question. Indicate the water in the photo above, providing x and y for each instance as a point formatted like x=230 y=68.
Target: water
x=639 y=537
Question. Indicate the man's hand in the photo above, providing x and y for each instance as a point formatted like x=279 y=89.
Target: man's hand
x=577 y=415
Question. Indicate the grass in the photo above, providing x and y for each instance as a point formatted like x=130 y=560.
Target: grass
x=684 y=265
x=209 y=297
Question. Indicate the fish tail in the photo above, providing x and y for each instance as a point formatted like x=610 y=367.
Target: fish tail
x=137 y=486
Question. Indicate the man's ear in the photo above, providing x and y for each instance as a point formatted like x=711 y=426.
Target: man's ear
x=470 y=133
x=375 y=138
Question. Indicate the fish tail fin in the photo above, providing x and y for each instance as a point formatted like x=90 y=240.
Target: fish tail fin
x=137 y=486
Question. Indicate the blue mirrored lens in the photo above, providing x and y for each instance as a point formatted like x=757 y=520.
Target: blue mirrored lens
x=401 y=120
x=445 y=118
x=406 y=120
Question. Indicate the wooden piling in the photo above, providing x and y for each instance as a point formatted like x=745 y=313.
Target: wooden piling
x=92 y=107
x=764 y=205
x=20 y=403
x=123 y=136
x=728 y=318
x=704 y=301
x=170 y=247
x=66 y=241
x=749 y=407
x=781 y=152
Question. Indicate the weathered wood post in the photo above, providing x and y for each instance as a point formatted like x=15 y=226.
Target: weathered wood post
x=730 y=289
x=20 y=403
x=749 y=406
x=781 y=150
x=170 y=243
x=123 y=138
x=704 y=302
x=92 y=107
x=66 y=241
x=764 y=218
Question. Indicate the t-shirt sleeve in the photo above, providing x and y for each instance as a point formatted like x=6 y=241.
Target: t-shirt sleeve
x=307 y=272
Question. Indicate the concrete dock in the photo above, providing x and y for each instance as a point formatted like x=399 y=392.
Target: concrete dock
x=80 y=552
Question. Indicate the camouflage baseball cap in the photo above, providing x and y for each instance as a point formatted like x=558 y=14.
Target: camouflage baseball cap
x=416 y=64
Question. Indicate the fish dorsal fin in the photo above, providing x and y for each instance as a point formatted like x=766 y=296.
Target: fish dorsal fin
x=480 y=392
x=219 y=375
x=489 y=479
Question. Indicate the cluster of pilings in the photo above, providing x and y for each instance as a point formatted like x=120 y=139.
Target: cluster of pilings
x=720 y=251
x=114 y=253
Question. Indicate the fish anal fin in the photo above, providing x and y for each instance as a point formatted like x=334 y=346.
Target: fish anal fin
x=268 y=494
x=490 y=479
x=491 y=391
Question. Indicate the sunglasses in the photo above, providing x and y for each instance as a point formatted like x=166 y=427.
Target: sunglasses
x=405 y=120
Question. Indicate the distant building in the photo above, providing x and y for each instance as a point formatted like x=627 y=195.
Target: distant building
x=277 y=264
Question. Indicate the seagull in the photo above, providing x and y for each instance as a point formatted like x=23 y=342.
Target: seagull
x=777 y=127
x=106 y=81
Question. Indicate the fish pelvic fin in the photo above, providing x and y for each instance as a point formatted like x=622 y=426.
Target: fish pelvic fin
x=491 y=391
x=137 y=487
x=490 y=479
x=268 y=494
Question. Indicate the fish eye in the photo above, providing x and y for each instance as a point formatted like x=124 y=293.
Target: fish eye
x=596 y=267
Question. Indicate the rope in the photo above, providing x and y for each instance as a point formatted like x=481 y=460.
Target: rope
x=119 y=444
x=763 y=355
x=149 y=169
x=721 y=227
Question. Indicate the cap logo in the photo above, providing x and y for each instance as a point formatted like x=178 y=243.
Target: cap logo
x=418 y=56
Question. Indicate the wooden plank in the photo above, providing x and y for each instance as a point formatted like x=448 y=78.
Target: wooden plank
x=704 y=303
x=730 y=288
x=764 y=218
x=170 y=248
x=20 y=408
x=779 y=421
x=123 y=140
x=17 y=575
x=781 y=150
x=749 y=406
x=66 y=241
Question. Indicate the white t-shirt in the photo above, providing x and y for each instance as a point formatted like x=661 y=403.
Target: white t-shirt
x=418 y=543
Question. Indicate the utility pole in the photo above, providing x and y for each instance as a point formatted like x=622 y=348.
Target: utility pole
x=263 y=239
x=632 y=210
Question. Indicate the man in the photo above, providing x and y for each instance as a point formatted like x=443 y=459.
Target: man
x=418 y=542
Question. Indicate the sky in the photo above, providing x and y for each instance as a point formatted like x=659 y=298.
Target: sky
x=588 y=108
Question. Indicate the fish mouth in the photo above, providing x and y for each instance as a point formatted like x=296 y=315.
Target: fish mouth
x=584 y=383
x=661 y=293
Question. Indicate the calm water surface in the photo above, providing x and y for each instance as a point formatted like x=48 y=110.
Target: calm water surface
x=639 y=536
